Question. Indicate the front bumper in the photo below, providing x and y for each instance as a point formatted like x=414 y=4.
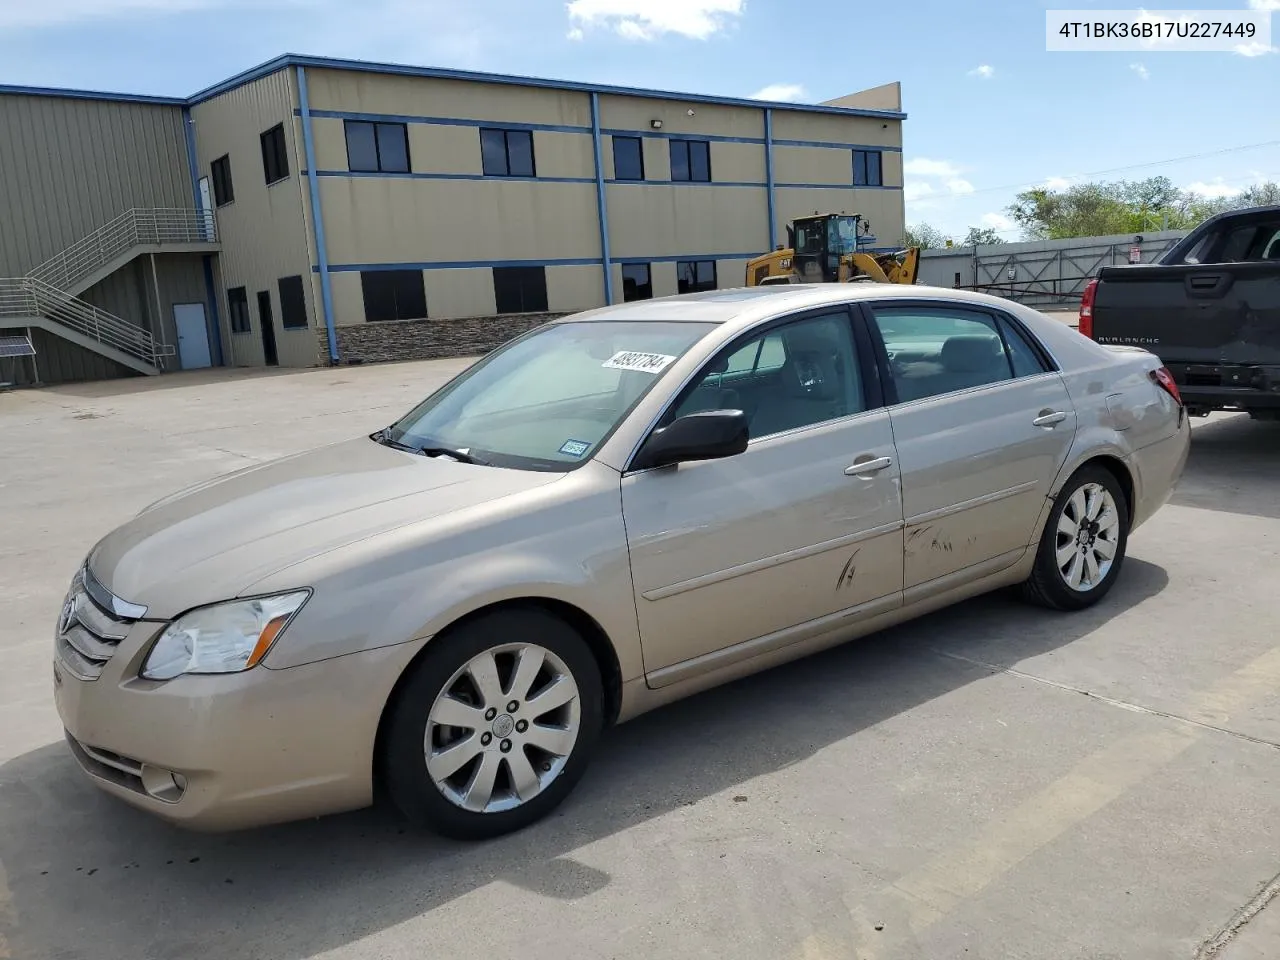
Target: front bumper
x=231 y=751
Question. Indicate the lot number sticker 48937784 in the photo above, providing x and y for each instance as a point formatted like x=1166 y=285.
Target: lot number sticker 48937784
x=635 y=360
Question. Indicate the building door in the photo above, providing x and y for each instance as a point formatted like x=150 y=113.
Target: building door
x=269 y=355
x=193 y=336
x=206 y=210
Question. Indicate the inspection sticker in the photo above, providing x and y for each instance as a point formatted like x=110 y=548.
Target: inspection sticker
x=634 y=360
x=574 y=448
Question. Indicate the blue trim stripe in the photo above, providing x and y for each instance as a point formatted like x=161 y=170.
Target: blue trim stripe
x=688 y=183
x=443 y=121
x=562 y=262
x=317 y=217
x=284 y=61
x=837 y=146
x=602 y=204
x=768 y=176
x=379 y=175
x=832 y=186
x=655 y=135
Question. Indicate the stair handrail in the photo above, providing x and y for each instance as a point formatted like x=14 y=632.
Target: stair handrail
x=137 y=225
x=31 y=296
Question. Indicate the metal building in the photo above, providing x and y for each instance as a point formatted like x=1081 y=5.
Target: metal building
x=313 y=211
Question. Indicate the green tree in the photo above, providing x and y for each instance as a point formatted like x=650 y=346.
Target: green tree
x=981 y=237
x=924 y=236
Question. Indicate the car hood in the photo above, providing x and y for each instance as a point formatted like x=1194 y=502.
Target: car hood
x=212 y=541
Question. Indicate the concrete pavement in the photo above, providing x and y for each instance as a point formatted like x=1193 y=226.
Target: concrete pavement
x=990 y=782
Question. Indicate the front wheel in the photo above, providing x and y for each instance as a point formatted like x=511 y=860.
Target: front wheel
x=1083 y=544
x=494 y=726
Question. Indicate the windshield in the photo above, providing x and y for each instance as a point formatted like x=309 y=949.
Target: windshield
x=842 y=235
x=547 y=400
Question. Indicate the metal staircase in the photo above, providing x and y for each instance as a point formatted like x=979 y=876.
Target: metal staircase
x=46 y=297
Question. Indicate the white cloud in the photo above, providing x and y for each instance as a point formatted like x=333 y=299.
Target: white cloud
x=984 y=70
x=1056 y=183
x=958 y=185
x=650 y=19
x=1213 y=191
x=915 y=191
x=1254 y=48
x=781 y=92
x=998 y=222
x=575 y=34
x=1140 y=70
x=924 y=167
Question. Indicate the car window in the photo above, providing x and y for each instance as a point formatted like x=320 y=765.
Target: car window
x=937 y=350
x=791 y=376
x=546 y=402
x=1026 y=362
x=1246 y=242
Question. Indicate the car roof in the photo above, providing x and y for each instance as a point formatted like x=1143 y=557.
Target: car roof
x=743 y=306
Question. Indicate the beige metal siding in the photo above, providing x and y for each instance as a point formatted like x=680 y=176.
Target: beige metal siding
x=69 y=166
x=349 y=92
x=570 y=289
x=264 y=230
x=655 y=220
x=637 y=114
x=836 y=128
x=882 y=209
x=396 y=220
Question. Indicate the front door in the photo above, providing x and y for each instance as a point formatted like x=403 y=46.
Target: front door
x=206 y=210
x=983 y=425
x=800 y=533
x=269 y=355
x=193 y=335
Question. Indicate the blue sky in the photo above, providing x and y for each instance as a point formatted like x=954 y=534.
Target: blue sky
x=990 y=110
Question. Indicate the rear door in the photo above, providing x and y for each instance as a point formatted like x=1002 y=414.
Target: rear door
x=731 y=558
x=982 y=423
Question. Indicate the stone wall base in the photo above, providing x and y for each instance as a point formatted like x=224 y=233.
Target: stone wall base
x=426 y=339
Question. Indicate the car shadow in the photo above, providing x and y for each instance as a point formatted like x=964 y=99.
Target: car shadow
x=1233 y=465
x=90 y=877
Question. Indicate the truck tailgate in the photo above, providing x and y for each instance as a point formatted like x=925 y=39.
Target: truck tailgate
x=1195 y=314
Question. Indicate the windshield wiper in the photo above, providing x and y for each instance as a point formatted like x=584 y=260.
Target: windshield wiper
x=464 y=457
x=383 y=436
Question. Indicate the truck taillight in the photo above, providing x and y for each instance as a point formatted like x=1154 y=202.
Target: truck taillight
x=1086 y=308
x=1164 y=379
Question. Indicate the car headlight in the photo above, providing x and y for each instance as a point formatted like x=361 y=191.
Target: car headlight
x=224 y=638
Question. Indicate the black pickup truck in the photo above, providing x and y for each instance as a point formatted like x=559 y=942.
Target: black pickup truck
x=1209 y=308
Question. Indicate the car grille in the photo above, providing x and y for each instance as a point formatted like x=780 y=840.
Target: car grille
x=88 y=632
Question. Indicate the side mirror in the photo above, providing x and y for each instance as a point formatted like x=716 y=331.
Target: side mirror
x=707 y=435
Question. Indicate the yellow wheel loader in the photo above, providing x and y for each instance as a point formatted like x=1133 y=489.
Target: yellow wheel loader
x=824 y=249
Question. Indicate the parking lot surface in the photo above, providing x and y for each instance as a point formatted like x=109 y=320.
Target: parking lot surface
x=993 y=781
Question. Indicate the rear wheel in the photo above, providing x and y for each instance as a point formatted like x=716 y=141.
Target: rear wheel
x=495 y=725
x=1083 y=545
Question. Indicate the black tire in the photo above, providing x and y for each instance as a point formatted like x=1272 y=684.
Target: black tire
x=403 y=759
x=1046 y=586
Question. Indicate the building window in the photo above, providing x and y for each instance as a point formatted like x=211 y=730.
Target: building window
x=691 y=160
x=520 y=289
x=293 y=304
x=275 y=162
x=220 y=174
x=393 y=295
x=506 y=153
x=636 y=282
x=628 y=159
x=695 y=275
x=377 y=147
x=238 y=309
x=866 y=168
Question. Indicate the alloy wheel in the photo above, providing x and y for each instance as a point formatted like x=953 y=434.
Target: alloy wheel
x=502 y=728
x=1088 y=537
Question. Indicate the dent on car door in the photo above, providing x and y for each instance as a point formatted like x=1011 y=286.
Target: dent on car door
x=982 y=422
x=732 y=557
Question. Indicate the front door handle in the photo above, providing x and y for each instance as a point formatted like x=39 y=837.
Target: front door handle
x=864 y=467
x=1049 y=419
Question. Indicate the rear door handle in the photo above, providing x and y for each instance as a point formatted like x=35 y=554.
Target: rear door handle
x=864 y=467
x=1049 y=419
